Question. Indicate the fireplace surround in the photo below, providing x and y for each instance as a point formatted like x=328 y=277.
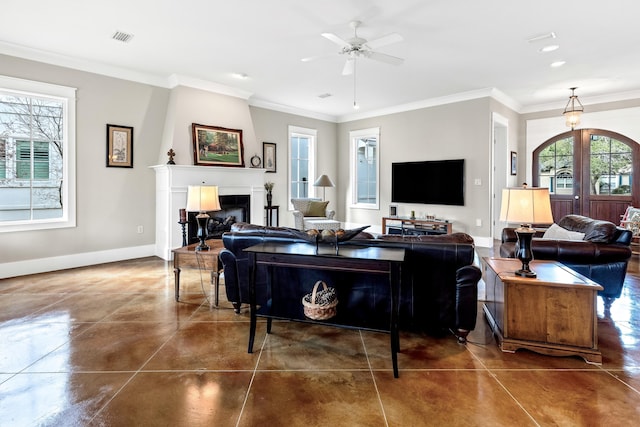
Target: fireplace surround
x=172 y=182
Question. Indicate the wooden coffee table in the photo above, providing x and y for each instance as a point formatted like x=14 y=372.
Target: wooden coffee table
x=187 y=256
x=553 y=314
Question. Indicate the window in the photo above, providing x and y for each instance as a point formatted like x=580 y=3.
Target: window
x=302 y=144
x=365 y=155
x=37 y=154
x=611 y=166
x=555 y=166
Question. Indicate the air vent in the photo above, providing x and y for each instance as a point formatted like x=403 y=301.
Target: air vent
x=122 y=36
x=324 y=95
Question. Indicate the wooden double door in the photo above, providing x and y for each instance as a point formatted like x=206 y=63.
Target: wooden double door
x=589 y=172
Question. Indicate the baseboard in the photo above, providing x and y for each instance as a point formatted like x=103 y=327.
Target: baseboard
x=42 y=265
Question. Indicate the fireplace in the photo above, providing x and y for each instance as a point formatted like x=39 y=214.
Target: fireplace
x=235 y=208
x=172 y=182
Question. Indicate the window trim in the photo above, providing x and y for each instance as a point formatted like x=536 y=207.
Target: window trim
x=353 y=148
x=294 y=131
x=67 y=96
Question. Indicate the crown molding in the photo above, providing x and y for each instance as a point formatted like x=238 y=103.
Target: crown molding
x=261 y=103
x=593 y=100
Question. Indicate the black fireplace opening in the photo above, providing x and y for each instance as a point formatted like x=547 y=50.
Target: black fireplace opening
x=235 y=208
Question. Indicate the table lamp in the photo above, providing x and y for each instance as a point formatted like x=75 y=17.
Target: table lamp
x=323 y=181
x=525 y=206
x=202 y=198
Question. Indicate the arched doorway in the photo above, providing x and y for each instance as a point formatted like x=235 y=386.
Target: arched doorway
x=589 y=172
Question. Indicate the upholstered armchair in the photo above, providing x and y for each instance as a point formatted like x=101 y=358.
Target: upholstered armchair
x=307 y=212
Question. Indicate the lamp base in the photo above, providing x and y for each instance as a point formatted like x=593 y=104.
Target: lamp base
x=523 y=250
x=202 y=219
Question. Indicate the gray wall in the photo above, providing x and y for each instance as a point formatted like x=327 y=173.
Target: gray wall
x=451 y=131
x=111 y=202
x=273 y=126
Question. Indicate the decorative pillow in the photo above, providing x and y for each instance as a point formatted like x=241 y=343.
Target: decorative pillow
x=557 y=232
x=316 y=208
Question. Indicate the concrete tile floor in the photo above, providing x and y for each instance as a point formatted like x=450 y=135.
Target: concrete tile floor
x=108 y=345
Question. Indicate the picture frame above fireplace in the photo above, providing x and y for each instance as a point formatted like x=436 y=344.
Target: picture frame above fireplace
x=217 y=146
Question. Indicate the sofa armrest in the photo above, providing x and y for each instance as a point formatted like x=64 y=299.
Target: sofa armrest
x=509 y=234
x=467 y=278
x=231 y=281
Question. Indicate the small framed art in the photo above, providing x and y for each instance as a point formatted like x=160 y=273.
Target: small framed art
x=119 y=146
x=514 y=163
x=269 y=156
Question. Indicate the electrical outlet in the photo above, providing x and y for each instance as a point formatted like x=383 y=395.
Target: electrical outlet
x=478 y=222
x=140 y=229
x=477 y=181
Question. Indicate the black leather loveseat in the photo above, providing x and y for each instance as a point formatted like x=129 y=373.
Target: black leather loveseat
x=439 y=280
x=602 y=255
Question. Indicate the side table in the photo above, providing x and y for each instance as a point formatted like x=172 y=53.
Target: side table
x=187 y=256
x=553 y=314
x=268 y=211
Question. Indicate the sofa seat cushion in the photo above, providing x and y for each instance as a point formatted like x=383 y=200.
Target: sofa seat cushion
x=595 y=230
x=557 y=232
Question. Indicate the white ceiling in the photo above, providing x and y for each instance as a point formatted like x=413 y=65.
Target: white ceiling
x=452 y=48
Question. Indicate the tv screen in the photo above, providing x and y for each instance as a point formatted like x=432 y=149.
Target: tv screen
x=432 y=182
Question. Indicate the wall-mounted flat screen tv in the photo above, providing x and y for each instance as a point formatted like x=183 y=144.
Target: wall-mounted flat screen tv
x=432 y=182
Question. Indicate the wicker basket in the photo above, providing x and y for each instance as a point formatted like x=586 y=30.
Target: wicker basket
x=317 y=310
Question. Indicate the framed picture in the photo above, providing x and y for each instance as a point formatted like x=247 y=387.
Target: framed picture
x=119 y=146
x=216 y=146
x=269 y=156
x=514 y=163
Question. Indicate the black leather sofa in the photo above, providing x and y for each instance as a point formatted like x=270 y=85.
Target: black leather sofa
x=602 y=256
x=439 y=281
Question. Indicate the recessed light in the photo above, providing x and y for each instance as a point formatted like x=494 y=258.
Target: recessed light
x=240 y=76
x=558 y=64
x=549 y=48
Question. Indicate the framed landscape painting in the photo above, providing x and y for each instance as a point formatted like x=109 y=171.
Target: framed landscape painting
x=216 y=146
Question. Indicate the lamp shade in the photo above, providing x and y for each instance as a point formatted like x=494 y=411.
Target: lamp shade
x=526 y=206
x=202 y=198
x=323 y=181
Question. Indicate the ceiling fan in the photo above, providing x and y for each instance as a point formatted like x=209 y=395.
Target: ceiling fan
x=358 y=47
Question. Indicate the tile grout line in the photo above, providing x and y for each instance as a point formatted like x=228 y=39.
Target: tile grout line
x=495 y=378
x=253 y=376
x=375 y=384
x=135 y=373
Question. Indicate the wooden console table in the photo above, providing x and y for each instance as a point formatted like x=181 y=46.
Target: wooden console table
x=553 y=314
x=424 y=225
x=187 y=256
x=350 y=259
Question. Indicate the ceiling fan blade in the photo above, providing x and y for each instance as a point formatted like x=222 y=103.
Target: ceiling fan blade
x=337 y=40
x=384 y=40
x=348 y=67
x=383 y=57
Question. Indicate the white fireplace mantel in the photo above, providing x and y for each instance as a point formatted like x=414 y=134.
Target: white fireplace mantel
x=172 y=182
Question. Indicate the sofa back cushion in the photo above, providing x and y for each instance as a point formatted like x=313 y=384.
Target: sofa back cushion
x=594 y=230
x=310 y=207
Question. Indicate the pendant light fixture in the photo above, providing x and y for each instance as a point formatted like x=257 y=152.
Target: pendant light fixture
x=573 y=110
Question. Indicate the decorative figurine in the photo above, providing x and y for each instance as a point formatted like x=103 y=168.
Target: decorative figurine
x=171 y=153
